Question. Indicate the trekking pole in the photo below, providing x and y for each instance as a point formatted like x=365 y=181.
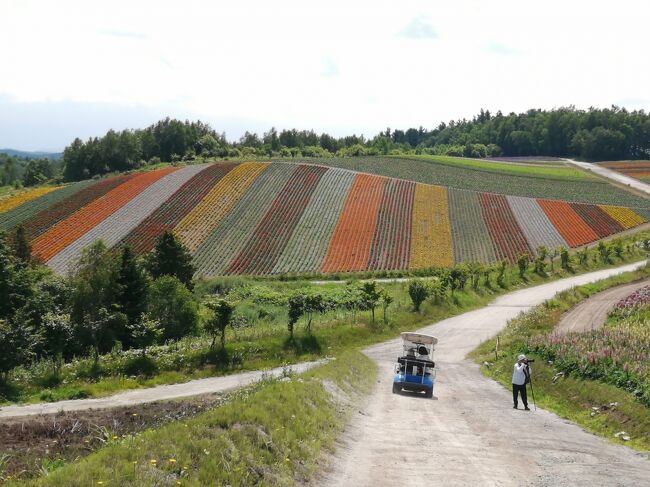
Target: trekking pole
x=532 y=392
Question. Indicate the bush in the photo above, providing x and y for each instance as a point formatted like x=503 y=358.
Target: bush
x=172 y=304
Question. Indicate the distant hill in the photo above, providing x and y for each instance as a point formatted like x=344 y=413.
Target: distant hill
x=55 y=156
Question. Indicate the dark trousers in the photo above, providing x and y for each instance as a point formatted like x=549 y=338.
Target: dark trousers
x=516 y=389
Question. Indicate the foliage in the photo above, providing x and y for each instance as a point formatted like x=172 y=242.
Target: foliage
x=132 y=286
x=419 y=292
x=145 y=332
x=222 y=313
x=17 y=342
x=172 y=304
x=171 y=258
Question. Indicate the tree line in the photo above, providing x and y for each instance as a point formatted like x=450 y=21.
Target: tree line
x=594 y=134
x=20 y=171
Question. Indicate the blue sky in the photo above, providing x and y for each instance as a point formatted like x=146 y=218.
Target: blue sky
x=74 y=68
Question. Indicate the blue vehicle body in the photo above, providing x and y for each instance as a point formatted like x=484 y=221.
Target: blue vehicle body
x=413 y=382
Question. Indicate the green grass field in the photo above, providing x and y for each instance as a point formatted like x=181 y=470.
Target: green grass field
x=562 y=183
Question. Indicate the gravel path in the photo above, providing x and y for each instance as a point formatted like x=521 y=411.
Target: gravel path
x=591 y=313
x=158 y=393
x=616 y=176
x=469 y=434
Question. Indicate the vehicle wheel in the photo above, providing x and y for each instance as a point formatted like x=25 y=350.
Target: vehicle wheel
x=428 y=393
x=396 y=388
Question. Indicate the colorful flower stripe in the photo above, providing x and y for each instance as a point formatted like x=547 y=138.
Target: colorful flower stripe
x=17 y=200
x=194 y=228
x=64 y=233
x=572 y=228
x=470 y=236
x=391 y=243
x=349 y=249
x=431 y=243
x=229 y=237
x=116 y=226
x=41 y=222
x=508 y=238
x=534 y=223
x=271 y=236
x=307 y=246
x=599 y=221
x=624 y=216
x=143 y=238
x=24 y=212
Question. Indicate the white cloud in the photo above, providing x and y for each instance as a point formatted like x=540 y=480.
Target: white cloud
x=419 y=28
x=337 y=65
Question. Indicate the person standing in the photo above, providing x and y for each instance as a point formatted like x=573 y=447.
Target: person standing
x=520 y=377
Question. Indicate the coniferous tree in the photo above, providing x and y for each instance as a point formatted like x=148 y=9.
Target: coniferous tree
x=22 y=249
x=171 y=258
x=133 y=286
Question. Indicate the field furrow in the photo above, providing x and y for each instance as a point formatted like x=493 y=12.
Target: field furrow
x=307 y=246
x=509 y=240
x=42 y=221
x=143 y=237
x=599 y=221
x=265 y=246
x=116 y=226
x=22 y=213
x=227 y=239
x=536 y=226
x=195 y=227
x=624 y=216
x=570 y=225
x=349 y=249
x=391 y=243
x=14 y=201
x=470 y=236
x=431 y=242
x=67 y=231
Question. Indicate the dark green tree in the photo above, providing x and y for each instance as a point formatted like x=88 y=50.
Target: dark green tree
x=370 y=296
x=173 y=305
x=22 y=249
x=171 y=258
x=132 y=286
x=222 y=311
x=17 y=342
x=145 y=332
x=419 y=292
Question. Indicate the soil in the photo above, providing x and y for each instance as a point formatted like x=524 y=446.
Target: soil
x=591 y=313
x=30 y=443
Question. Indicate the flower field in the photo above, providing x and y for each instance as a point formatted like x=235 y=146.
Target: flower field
x=635 y=169
x=272 y=218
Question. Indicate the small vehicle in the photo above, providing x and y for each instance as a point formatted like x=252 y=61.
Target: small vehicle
x=415 y=369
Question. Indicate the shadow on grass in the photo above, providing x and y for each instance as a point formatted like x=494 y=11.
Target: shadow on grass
x=303 y=344
x=141 y=366
x=9 y=391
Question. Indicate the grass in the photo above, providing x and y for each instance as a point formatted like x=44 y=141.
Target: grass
x=269 y=434
x=570 y=397
x=556 y=172
x=261 y=344
x=530 y=181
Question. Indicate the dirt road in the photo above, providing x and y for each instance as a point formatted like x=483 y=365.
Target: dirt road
x=158 y=393
x=469 y=434
x=591 y=313
x=613 y=175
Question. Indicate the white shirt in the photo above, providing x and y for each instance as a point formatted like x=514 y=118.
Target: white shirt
x=518 y=374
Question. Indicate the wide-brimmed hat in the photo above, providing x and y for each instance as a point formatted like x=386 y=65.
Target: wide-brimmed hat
x=521 y=357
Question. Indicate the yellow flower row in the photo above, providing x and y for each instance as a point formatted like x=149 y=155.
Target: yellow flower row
x=19 y=199
x=195 y=227
x=431 y=244
x=626 y=217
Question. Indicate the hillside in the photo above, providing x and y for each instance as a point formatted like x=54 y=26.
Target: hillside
x=273 y=218
x=635 y=169
x=55 y=156
x=554 y=182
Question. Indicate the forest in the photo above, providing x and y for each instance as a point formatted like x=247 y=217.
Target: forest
x=595 y=134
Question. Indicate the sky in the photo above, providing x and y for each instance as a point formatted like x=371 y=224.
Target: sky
x=78 y=68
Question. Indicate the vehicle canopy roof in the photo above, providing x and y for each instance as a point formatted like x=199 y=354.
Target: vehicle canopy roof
x=419 y=338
